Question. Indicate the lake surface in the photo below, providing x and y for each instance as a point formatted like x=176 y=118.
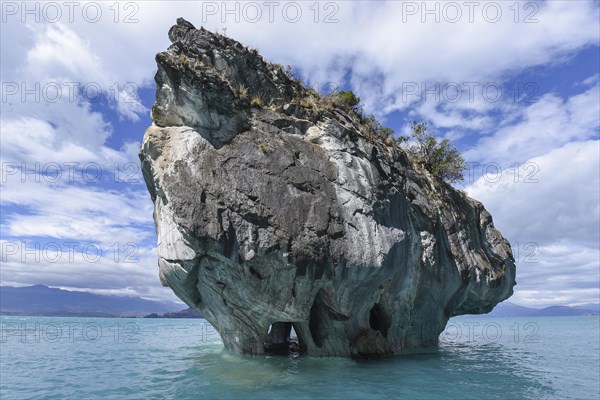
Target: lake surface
x=498 y=358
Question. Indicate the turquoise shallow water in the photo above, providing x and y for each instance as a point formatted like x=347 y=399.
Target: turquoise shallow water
x=501 y=358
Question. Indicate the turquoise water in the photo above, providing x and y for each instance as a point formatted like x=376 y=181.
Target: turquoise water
x=500 y=358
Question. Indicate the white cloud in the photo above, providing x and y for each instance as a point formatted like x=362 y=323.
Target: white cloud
x=559 y=200
x=444 y=115
x=58 y=52
x=74 y=137
x=76 y=211
x=545 y=125
x=128 y=271
x=60 y=58
x=367 y=39
x=553 y=224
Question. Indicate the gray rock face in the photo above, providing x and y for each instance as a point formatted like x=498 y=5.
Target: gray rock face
x=286 y=215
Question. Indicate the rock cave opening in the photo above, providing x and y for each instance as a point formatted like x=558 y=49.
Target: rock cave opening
x=282 y=339
x=379 y=320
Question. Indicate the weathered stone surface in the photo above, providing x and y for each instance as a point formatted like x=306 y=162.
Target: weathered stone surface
x=287 y=215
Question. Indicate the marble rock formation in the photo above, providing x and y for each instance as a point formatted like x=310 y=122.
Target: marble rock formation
x=274 y=211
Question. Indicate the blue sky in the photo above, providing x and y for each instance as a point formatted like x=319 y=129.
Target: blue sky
x=518 y=93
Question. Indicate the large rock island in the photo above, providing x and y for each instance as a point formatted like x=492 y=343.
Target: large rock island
x=274 y=209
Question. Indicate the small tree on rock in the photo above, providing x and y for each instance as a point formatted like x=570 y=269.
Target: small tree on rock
x=347 y=100
x=439 y=157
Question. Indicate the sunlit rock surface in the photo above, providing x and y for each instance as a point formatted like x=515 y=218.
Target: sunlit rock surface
x=283 y=214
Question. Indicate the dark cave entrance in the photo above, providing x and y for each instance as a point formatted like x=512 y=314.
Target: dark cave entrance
x=379 y=320
x=282 y=339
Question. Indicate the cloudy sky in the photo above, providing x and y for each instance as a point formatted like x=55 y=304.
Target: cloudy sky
x=514 y=85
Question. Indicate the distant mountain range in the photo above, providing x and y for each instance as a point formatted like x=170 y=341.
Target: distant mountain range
x=507 y=309
x=187 y=313
x=45 y=301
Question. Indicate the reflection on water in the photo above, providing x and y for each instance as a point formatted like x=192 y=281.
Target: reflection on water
x=238 y=371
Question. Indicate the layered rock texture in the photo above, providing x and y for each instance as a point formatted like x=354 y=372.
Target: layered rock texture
x=275 y=210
